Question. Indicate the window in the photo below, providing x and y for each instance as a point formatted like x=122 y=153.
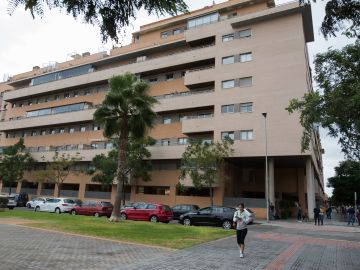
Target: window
x=183 y=117
x=166 y=120
x=177 y=31
x=153 y=80
x=57 y=97
x=71 y=130
x=246 y=107
x=246 y=135
x=204 y=115
x=203 y=20
x=206 y=141
x=183 y=73
x=245 y=33
x=227 y=38
x=87 y=92
x=76 y=94
x=228 y=108
x=33 y=133
x=30 y=102
x=52 y=131
x=169 y=77
x=67 y=95
x=245 y=57
x=182 y=140
x=247 y=81
x=94 y=146
x=228 y=60
x=13 y=105
x=96 y=128
x=109 y=145
x=164 y=34
x=82 y=129
x=43 y=132
x=228 y=84
x=61 y=130
x=227 y=134
x=165 y=142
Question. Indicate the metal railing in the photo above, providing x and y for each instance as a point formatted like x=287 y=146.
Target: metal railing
x=183 y=94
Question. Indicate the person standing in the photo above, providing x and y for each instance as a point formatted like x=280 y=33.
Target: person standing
x=321 y=215
x=317 y=215
x=351 y=215
x=241 y=219
x=299 y=213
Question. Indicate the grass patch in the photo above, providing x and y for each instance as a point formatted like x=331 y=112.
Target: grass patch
x=174 y=236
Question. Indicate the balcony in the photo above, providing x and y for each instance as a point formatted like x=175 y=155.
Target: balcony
x=185 y=100
x=167 y=152
x=48 y=120
x=187 y=55
x=198 y=124
x=200 y=75
x=85 y=154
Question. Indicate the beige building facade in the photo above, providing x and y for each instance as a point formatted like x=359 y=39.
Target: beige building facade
x=214 y=72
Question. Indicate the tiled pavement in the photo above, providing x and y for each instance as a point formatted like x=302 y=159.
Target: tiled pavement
x=284 y=246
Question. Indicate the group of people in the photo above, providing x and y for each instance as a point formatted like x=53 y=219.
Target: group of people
x=351 y=214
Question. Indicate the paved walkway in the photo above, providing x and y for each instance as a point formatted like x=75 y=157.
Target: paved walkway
x=287 y=245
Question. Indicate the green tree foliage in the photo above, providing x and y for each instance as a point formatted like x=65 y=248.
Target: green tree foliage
x=138 y=164
x=345 y=182
x=109 y=15
x=13 y=162
x=57 y=170
x=126 y=112
x=340 y=15
x=203 y=163
x=336 y=105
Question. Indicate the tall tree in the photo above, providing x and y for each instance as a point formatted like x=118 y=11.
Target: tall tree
x=340 y=15
x=13 y=162
x=345 y=182
x=109 y=15
x=125 y=112
x=57 y=170
x=203 y=163
x=336 y=105
x=138 y=164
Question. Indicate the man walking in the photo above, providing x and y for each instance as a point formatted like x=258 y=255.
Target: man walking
x=351 y=215
x=317 y=215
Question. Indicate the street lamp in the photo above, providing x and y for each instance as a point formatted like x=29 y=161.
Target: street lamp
x=266 y=172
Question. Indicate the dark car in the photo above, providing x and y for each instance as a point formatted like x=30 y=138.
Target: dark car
x=151 y=211
x=21 y=199
x=210 y=216
x=92 y=208
x=181 y=209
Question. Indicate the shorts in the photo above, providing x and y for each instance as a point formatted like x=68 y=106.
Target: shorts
x=240 y=235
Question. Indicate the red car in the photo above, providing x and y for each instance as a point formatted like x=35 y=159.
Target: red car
x=93 y=208
x=148 y=211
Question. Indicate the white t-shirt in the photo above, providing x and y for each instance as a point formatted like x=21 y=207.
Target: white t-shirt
x=241 y=219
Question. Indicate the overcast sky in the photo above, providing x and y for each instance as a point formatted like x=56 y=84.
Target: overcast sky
x=25 y=43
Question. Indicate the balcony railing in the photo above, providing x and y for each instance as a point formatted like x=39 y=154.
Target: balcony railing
x=184 y=94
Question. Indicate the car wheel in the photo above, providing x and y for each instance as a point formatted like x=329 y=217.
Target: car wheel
x=226 y=224
x=11 y=207
x=37 y=208
x=123 y=216
x=57 y=210
x=187 y=221
x=73 y=212
x=154 y=219
x=97 y=214
x=29 y=206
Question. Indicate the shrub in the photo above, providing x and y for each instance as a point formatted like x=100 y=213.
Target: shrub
x=3 y=202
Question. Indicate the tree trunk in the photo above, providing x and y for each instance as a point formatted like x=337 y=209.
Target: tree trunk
x=120 y=177
x=58 y=189
x=211 y=196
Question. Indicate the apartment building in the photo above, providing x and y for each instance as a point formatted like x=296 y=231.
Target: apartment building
x=214 y=72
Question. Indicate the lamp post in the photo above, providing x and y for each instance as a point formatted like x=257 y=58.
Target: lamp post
x=266 y=172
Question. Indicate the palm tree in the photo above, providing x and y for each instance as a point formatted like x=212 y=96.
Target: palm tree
x=126 y=111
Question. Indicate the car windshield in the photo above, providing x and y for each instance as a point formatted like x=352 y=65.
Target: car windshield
x=68 y=201
x=11 y=198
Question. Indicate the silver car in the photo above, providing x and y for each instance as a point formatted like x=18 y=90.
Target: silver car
x=57 y=205
x=35 y=201
x=12 y=202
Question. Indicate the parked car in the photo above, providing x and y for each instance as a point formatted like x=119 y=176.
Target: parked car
x=21 y=199
x=92 y=208
x=131 y=205
x=181 y=209
x=148 y=211
x=11 y=201
x=210 y=216
x=35 y=201
x=57 y=205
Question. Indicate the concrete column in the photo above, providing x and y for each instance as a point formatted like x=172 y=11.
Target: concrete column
x=271 y=181
x=301 y=188
x=310 y=188
x=82 y=187
x=1 y=185
x=18 y=187
x=40 y=186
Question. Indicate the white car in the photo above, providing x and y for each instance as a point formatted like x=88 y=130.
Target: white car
x=57 y=205
x=35 y=201
x=11 y=200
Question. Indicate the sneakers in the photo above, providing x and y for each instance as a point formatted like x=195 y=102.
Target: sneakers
x=241 y=255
